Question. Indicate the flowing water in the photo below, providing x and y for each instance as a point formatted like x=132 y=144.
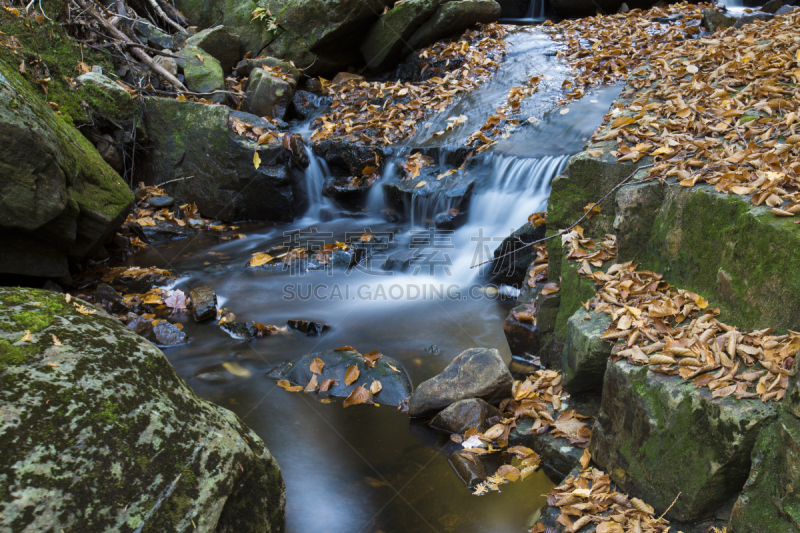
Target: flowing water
x=369 y=468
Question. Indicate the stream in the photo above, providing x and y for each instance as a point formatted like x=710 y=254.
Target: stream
x=367 y=468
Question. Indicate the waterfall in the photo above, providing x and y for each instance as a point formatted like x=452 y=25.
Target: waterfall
x=311 y=184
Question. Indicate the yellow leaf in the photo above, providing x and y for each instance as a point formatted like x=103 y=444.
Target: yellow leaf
x=236 y=369
x=288 y=386
x=351 y=375
x=317 y=365
x=82 y=309
x=256 y=160
x=38 y=18
x=260 y=259
x=13 y=10
x=621 y=121
x=201 y=58
x=420 y=184
x=181 y=98
x=701 y=302
x=358 y=396
x=27 y=337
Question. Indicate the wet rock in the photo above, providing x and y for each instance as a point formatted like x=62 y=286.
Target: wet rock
x=220 y=43
x=163 y=231
x=216 y=471
x=167 y=334
x=453 y=17
x=474 y=373
x=239 y=330
x=749 y=18
x=433 y=197
x=267 y=95
x=401 y=260
x=464 y=415
x=58 y=198
x=51 y=285
x=203 y=303
x=772 y=6
x=588 y=8
x=469 y=467
x=346 y=158
x=251 y=120
x=785 y=10
x=583 y=360
x=309 y=328
x=306 y=103
x=451 y=219
x=513 y=268
x=203 y=76
x=106 y=296
x=231 y=188
x=386 y=42
x=396 y=385
x=160 y=202
x=348 y=191
x=150 y=35
x=657 y=435
x=714 y=19
x=522 y=336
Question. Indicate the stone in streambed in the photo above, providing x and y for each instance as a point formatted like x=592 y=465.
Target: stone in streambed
x=474 y=373
x=512 y=259
x=465 y=414
x=104 y=419
x=583 y=359
x=202 y=75
x=268 y=95
x=203 y=303
x=714 y=19
x=469 y=467
x=168 y=334
x=452 y=17
x=159 y=202
x=220 y=43
x=308 y=327
x=522 y=336
x=396 y=384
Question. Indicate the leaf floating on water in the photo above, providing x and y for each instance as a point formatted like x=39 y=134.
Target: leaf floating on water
x=288 y=386
x=375 y=387
x=317 y=365
x=27 y=337
x=177 y=300
x=351 y=375
x=260 y=259
x=358 y=396
x=326 y=384
x=312 y=384
x=236 y=369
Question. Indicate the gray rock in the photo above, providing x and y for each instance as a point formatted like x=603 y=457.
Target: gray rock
x=386 y=42
x=168 y=63
x=785 y=10
x=464 y=415
x=58 y=198
x=106 y=295
x=512 y=269
x=583 y=360
x=469 y=467
x=239 y=330
x=202 y=75
x=772 y=6
x=164 y=231
x=245 y=67
x=106 y=98
x=714 y=19
x=220 y=43
x=306 y=103
x=749 y=18
x=160 y=202
x=522 y=336
x=396 y=385
x=453 y=17
x=225 y=184
x=636 y=208
x=657 y=435
x=107 y=413
x=474 y=373
x=401 y=260
x=267 y=95
x=167 y=334
x=150 y=35
x=203 y=303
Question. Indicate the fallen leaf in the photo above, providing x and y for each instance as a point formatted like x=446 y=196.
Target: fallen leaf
x=259 y=259
x=288 y=386
x=351 y=374
x=312 y=384
x=256 y=160
x=358 y=396
x=27 y=337
x=56 y=342
x=236 y=369
x=326 y=384
x=317 y=365
x=375 y=387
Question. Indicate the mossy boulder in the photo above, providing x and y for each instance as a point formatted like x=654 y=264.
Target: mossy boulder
x=221 y=43
x=268 y=95
x=386 y=42
x=193 y=141
x=452 y=17
x=396 y=385
x=202 y=72
x=58 y=198
x=107 y=98
x=100 y=434
x=658 y=436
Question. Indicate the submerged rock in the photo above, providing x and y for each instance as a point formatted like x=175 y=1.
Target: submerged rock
x=396 y=385
x=657 y=435
x=468 y=466
x=162 y=333
x=103 y=419
x=465 y=414
x=308 y=327
x=203 y=303
x=474 y=373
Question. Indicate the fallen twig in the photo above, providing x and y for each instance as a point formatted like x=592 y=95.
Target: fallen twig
x=164 y=16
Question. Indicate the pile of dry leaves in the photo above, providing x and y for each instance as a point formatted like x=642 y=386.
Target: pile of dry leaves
x=590 y=498
x=382 y=113
x=673 y=331
x=501 y=122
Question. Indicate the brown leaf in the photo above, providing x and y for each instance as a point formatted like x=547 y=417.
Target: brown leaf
x=312 y=384
x=326 y=384
x=317 y=365
x=358 y=396
x=351 y=375
x=288 y=386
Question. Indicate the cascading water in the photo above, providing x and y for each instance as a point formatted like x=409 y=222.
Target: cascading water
x=312 y=181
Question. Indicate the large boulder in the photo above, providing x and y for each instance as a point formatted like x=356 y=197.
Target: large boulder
x=107 y=98
x=220 y=43
x=193 y=141
x=474 y=373
x=58 y=198
x=512 y=259
x=453 y=17
x=714 y=19
x=386 y=42
x=322 y=36
x=395 y=383
x=583 y=359
x=100 y=434
x=657 y=436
